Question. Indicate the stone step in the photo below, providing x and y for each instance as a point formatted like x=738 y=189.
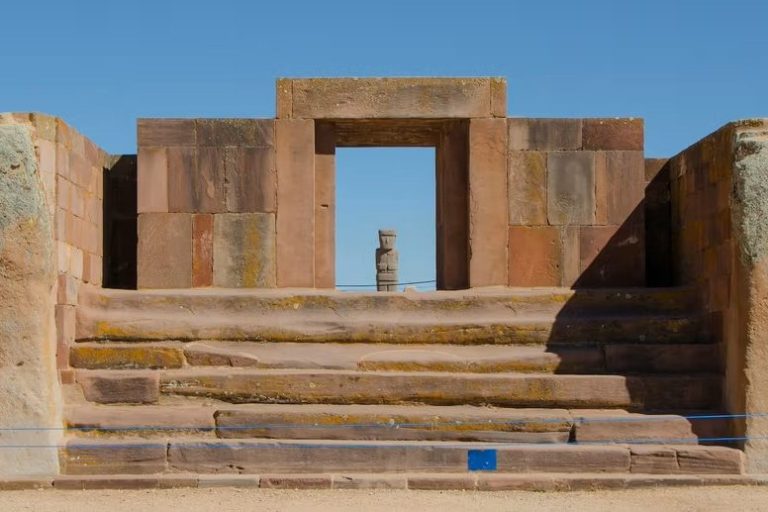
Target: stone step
x=128 y=456
x=381 y=422
x=237 y=385
x=463 y=481
x=571 y=359
x=497 y=316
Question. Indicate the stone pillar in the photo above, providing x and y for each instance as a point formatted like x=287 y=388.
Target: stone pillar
x=387 y=261
x=28 y=387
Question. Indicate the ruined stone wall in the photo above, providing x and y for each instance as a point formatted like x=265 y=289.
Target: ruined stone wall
x=206 y=203
x=719 y=204
x=576 y=188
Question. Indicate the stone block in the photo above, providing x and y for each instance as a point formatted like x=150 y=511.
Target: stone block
x=619 y=428
x=66 y=292
x=370 y=482
x=202 y=250
x=251 y=179
x=437 y=482
x=710 y=459
x=325 y=206
x=197 y=179
x=571 y=187
x=165 y=250
x=183 y=182
x=152 y=180
x=488 y=202
x=544 y=134
x=693 y=358
x=166 y=132
x=612 y=255
x=122 y=357
x=244 y=250
x=654 y=166
x=534 y=256
x=99 y=457
x=619 y=185
x=612 y=134
x=653 y=460
x=295 y=482
x=527 y=188
x=564 y=459
x=112 y=387
x=235 y=132
x=65 y=333
x=391 y=98
x=295 y=223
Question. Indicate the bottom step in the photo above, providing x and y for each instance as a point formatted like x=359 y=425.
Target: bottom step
x=423 y=481
x=132 y=456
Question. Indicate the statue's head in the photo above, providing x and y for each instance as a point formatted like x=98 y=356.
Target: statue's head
x=387 y=238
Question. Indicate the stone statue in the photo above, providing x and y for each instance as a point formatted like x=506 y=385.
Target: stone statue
x=386 y=261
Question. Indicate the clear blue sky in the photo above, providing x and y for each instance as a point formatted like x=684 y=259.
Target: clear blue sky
x=687 y=67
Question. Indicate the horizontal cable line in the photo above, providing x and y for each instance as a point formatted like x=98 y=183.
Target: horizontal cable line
x=257 y=426
x=270 y=443
x=390 y=284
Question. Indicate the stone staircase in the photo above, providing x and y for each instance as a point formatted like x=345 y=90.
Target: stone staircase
x=536 y=381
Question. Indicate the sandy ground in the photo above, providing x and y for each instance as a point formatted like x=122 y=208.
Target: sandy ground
x=711 y=499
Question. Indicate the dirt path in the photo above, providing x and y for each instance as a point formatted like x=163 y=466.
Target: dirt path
x=713 y=499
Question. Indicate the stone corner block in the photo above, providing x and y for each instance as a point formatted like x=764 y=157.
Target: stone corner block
x=244 y=250
x=165 y=250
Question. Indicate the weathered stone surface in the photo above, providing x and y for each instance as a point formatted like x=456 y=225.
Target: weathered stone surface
x=527 y=188
x=571 y=187
x=165 y=250
x=28 y=390
x=120 y=357
x=612 y=427
x=619 y=185
x=152 y=180
x=197 y=181
x=653 y=459
x=295 y=244
x=198 y=354
x=114 y=387
x=339 y=387
x=360 y=98
x=202 y=249
x=244 y=250
x=235 y=132
x=394 y=422
x=82 y=457
x=534 y=256
x=67 y=290
x=710 y=459
x=295 y=481
x=488 y=202
x=148 y=420
x=251 y=179
x=613 y=134
x=369 y=482
x=544 y=134
x=166 y=132
x=564 y=459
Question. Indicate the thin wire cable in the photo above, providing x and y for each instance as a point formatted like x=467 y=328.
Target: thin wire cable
x=374 y=285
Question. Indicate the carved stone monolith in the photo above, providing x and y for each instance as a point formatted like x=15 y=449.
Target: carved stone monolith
x=386 y=261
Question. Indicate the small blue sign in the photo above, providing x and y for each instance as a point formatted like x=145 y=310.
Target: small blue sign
x=481 y=460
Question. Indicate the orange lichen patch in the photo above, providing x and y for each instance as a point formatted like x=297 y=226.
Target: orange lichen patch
x=124 y=357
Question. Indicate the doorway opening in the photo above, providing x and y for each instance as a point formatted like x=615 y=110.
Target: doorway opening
x=385 y=188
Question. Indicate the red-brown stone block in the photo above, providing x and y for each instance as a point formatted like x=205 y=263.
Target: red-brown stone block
x=235 y=132
x=571 y=187
x=488 y=202
x=612 y=255
x=527 y=188
x=152 y=180
x=544 y=134
x=534 y=256
x=202 y=250
x=613 y=134
x=295 y=159
x=619 y=185
x=165 y=250
x=251 y=179
x=183 y=194
x=244 y=250
x=166 y=132
x=325 y=206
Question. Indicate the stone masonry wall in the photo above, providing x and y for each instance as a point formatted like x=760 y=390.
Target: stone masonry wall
x=719 y=204
x=206 y=203
x=575 y=202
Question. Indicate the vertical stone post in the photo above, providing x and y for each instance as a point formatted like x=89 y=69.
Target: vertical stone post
x=387 y=261
x=29 y=394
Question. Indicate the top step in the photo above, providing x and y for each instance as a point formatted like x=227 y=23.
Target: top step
x=192 y=313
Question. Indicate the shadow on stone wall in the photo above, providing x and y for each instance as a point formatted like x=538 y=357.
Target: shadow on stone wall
x=120 y=240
